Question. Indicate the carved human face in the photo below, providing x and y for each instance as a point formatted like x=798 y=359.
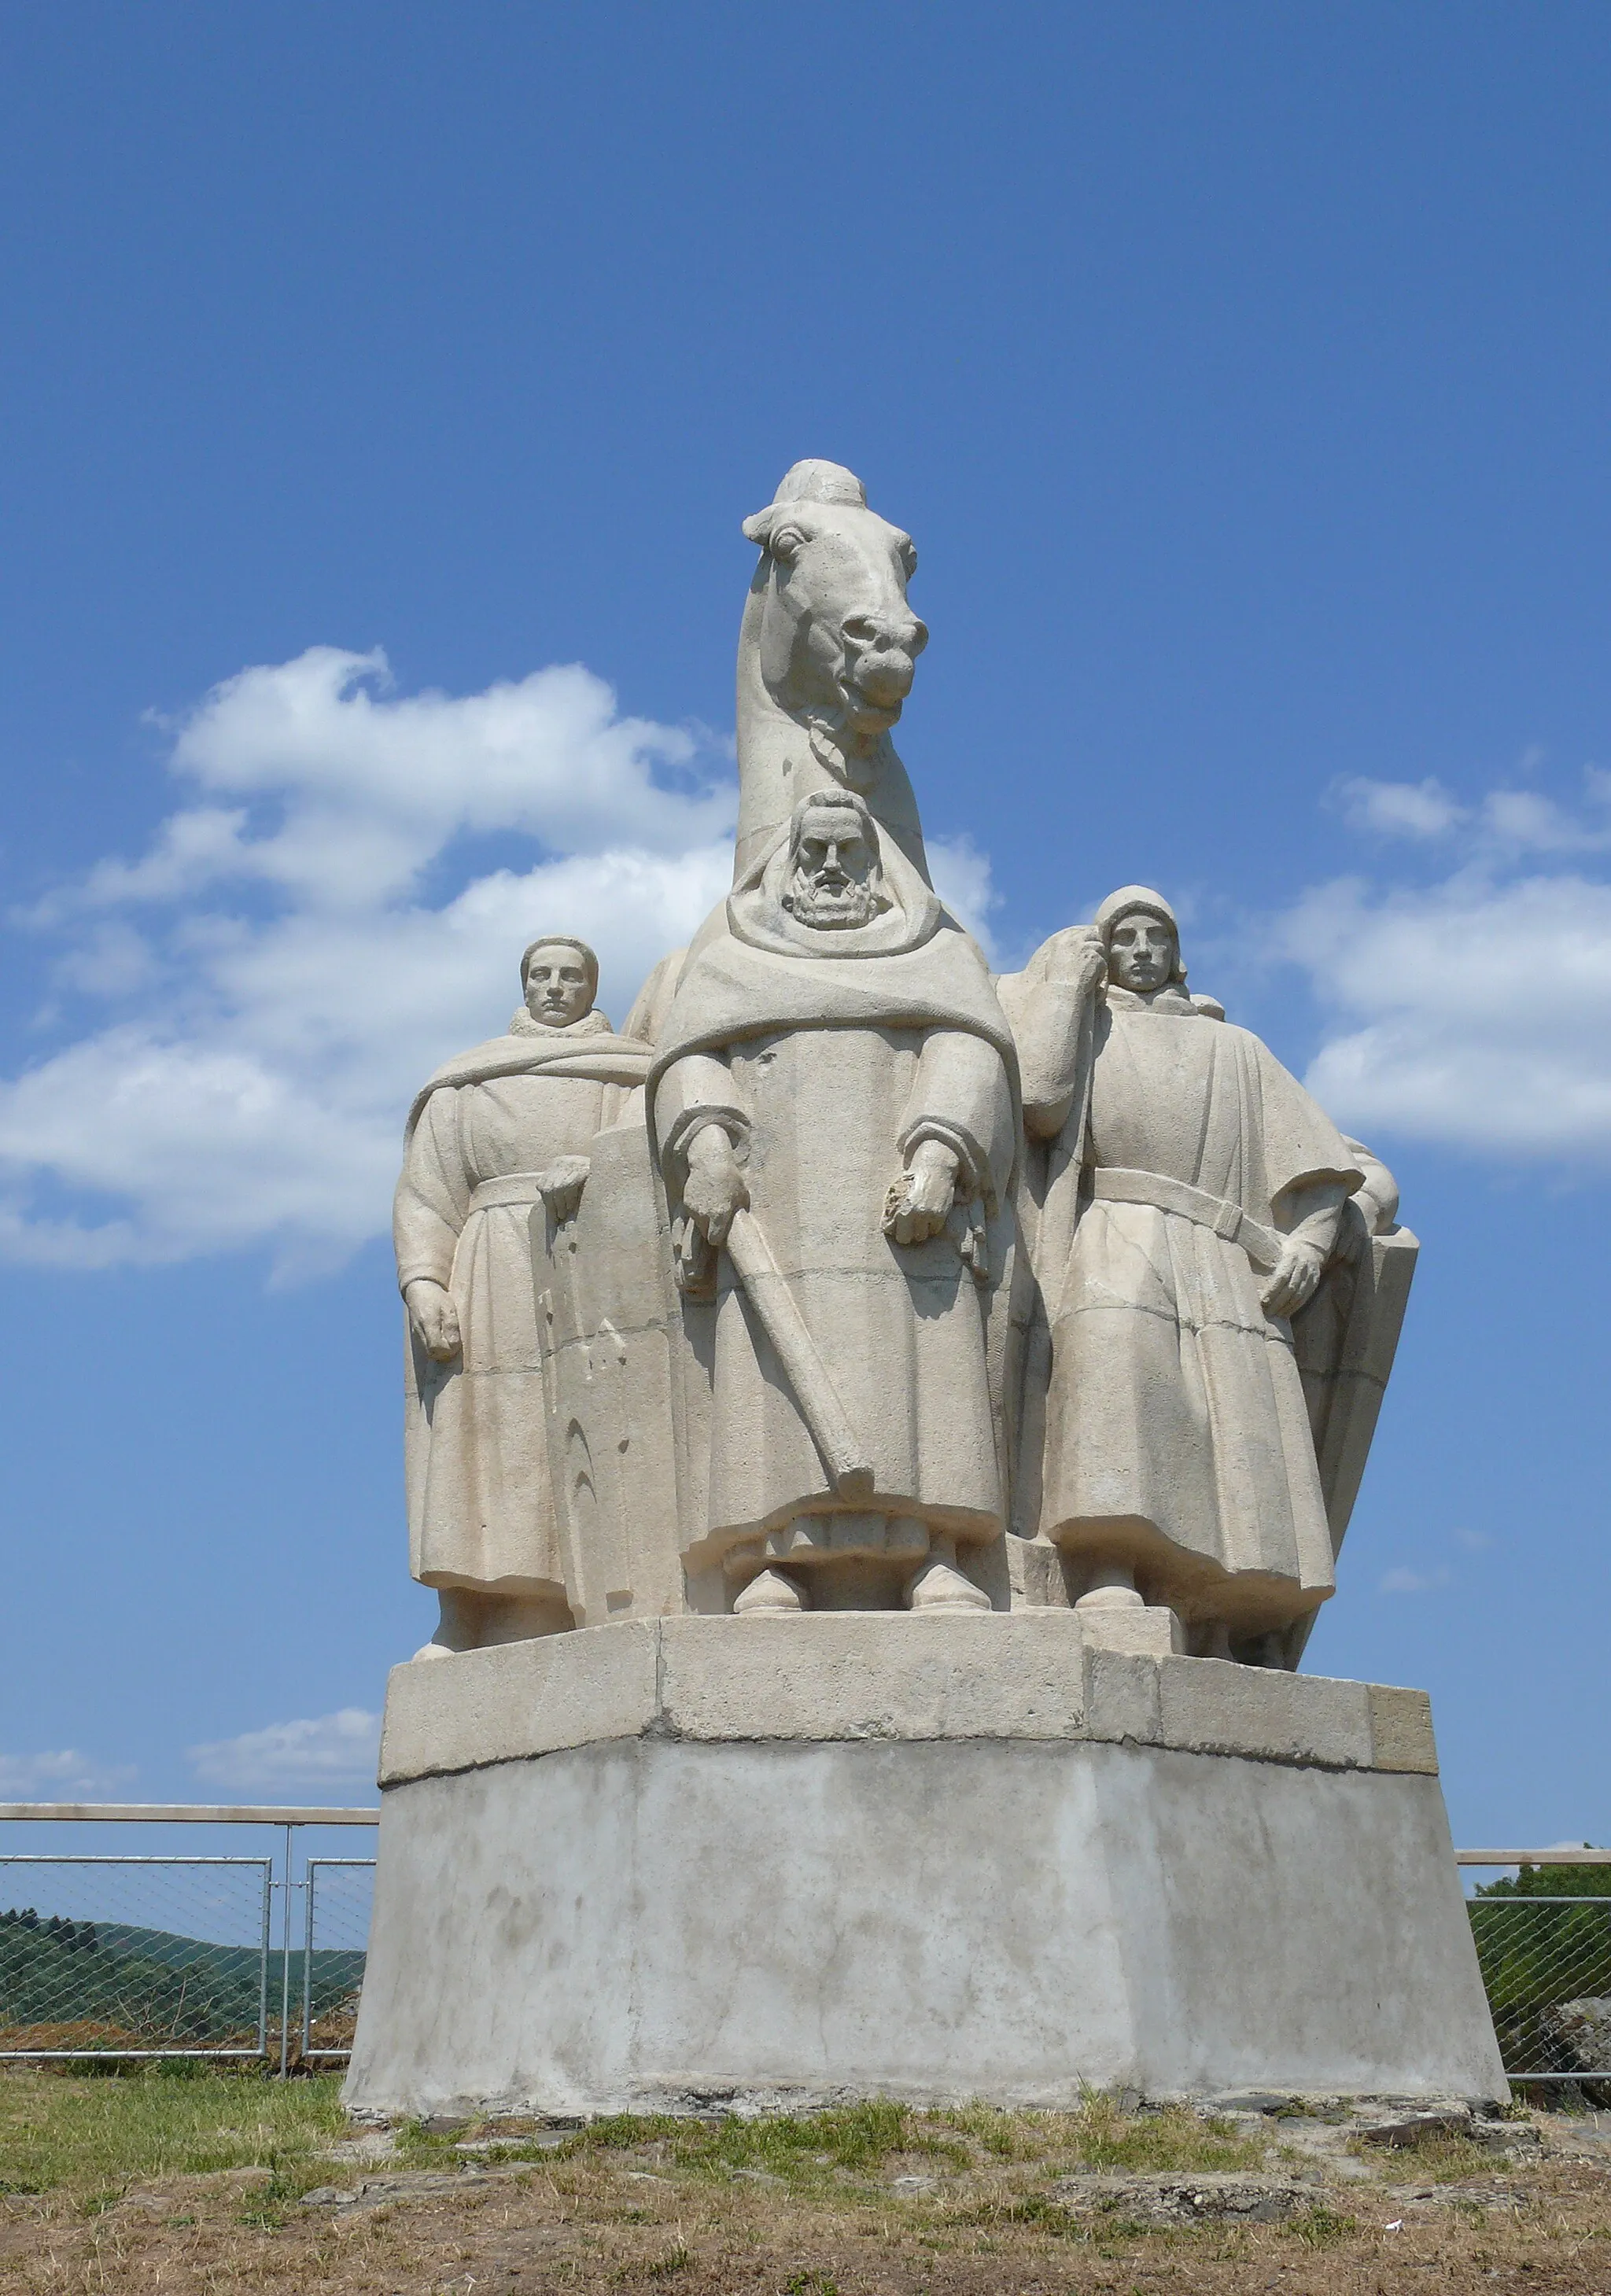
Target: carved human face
x=559 y=988
x=837 y=881
x=1142 y=952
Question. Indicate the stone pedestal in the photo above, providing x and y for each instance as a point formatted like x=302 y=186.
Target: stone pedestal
x=696 y=1863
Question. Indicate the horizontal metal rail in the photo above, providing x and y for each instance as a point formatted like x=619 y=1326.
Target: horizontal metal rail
x=1533 y=1856
x=179 y=1813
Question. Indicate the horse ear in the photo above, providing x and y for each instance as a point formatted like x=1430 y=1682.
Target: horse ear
x=774 y=531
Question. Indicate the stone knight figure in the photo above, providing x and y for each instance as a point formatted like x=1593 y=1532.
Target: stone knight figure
x=834 y=1089
x=494 y=1133
x=1192 y=1200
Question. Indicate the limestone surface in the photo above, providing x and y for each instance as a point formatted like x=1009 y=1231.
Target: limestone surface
x=881 y=1435
x=1187 y=1204
x=811 y=1855
x=504 y=1127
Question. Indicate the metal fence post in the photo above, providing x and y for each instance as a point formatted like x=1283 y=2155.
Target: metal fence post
x=285 y=1966
x=263 y=1956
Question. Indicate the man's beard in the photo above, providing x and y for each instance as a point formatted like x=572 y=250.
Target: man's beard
x=834 y=908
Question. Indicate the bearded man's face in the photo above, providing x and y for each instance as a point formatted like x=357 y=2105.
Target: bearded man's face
x=836 y=881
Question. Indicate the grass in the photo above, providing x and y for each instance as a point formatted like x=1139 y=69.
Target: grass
x=805 y=2204
x=98 y=2136
x=1433 y=2160
x=1101 y=2136
x=805 y=2151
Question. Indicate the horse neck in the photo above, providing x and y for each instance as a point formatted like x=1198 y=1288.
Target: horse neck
x=778 y=766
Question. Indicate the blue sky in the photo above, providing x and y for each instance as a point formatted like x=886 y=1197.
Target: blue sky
x=384 y=388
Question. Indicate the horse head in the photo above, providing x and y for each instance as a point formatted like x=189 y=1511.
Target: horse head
x=827 y=652
x=838 y=642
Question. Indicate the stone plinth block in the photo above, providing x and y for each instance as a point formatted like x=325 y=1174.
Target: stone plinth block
x=695 y=1862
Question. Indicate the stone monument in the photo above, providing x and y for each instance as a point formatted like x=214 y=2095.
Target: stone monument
x=882 y=1435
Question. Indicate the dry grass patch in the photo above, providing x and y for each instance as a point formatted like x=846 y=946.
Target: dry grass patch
x=870 y=2200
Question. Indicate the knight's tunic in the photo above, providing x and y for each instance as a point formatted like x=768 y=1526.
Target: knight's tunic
x=1176 y=1423
x=480 y=1509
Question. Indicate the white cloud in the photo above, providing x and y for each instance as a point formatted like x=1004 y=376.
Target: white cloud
x=65 y=1776
x=1415 y=1582
x=335 y=1748
x=1505 y=825
x=1473 y=1012
x=1399 y=808
x=300 y=945
x=962 y=879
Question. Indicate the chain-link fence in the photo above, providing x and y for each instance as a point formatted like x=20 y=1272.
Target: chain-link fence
x=1546 y=1963
x=134 y=1956
x=130 y=1956
x=340 y=1891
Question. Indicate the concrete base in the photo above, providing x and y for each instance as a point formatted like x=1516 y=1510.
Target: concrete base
x=743 y=1863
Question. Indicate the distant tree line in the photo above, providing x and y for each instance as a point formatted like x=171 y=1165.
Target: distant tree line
x=77 y=1937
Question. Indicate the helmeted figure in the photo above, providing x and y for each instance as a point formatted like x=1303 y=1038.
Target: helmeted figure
x=1189 y=1203
x=495 y=1132
x=833 y=1106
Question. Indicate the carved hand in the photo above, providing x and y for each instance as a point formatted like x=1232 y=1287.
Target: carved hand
x=1077 y=960
x=1292 y=1285
x=434 y=1317
x=562 y=1185
x=919 y=1205
x=714 y=1189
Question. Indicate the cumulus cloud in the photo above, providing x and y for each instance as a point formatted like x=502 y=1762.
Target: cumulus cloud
x=1505 y=824
x=335 y=1749
x=245 y=1009
x=1473 y=1009
x=1399 y=808
x=1473 y=1013
x=64 y=1776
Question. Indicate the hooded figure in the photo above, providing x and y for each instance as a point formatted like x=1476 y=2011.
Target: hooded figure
x=494 y=1132
x=835 y=1072
x=1190 y=1200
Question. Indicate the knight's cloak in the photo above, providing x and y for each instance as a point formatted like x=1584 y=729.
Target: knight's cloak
x=1175 y=1425
x=480 y=1506
x=825 y=1055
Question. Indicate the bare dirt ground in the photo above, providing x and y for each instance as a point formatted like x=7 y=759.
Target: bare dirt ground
x=871 y=2202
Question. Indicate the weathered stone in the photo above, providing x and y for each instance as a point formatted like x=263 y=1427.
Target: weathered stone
x=1401 y=1730
x=494 y=1132
x=1580 y=2032
x=1034 y=1674
x=756 y=1760
x=1212 y=1708
x=1407 y=2129
x=682 y=1925
x=1177 y=2197
x=1187 y=1200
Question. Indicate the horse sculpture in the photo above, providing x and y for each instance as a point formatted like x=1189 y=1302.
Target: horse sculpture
x=826 y=652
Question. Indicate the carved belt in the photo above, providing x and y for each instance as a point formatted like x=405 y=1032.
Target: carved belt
x=1113 y=1185
x=511 y=1188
